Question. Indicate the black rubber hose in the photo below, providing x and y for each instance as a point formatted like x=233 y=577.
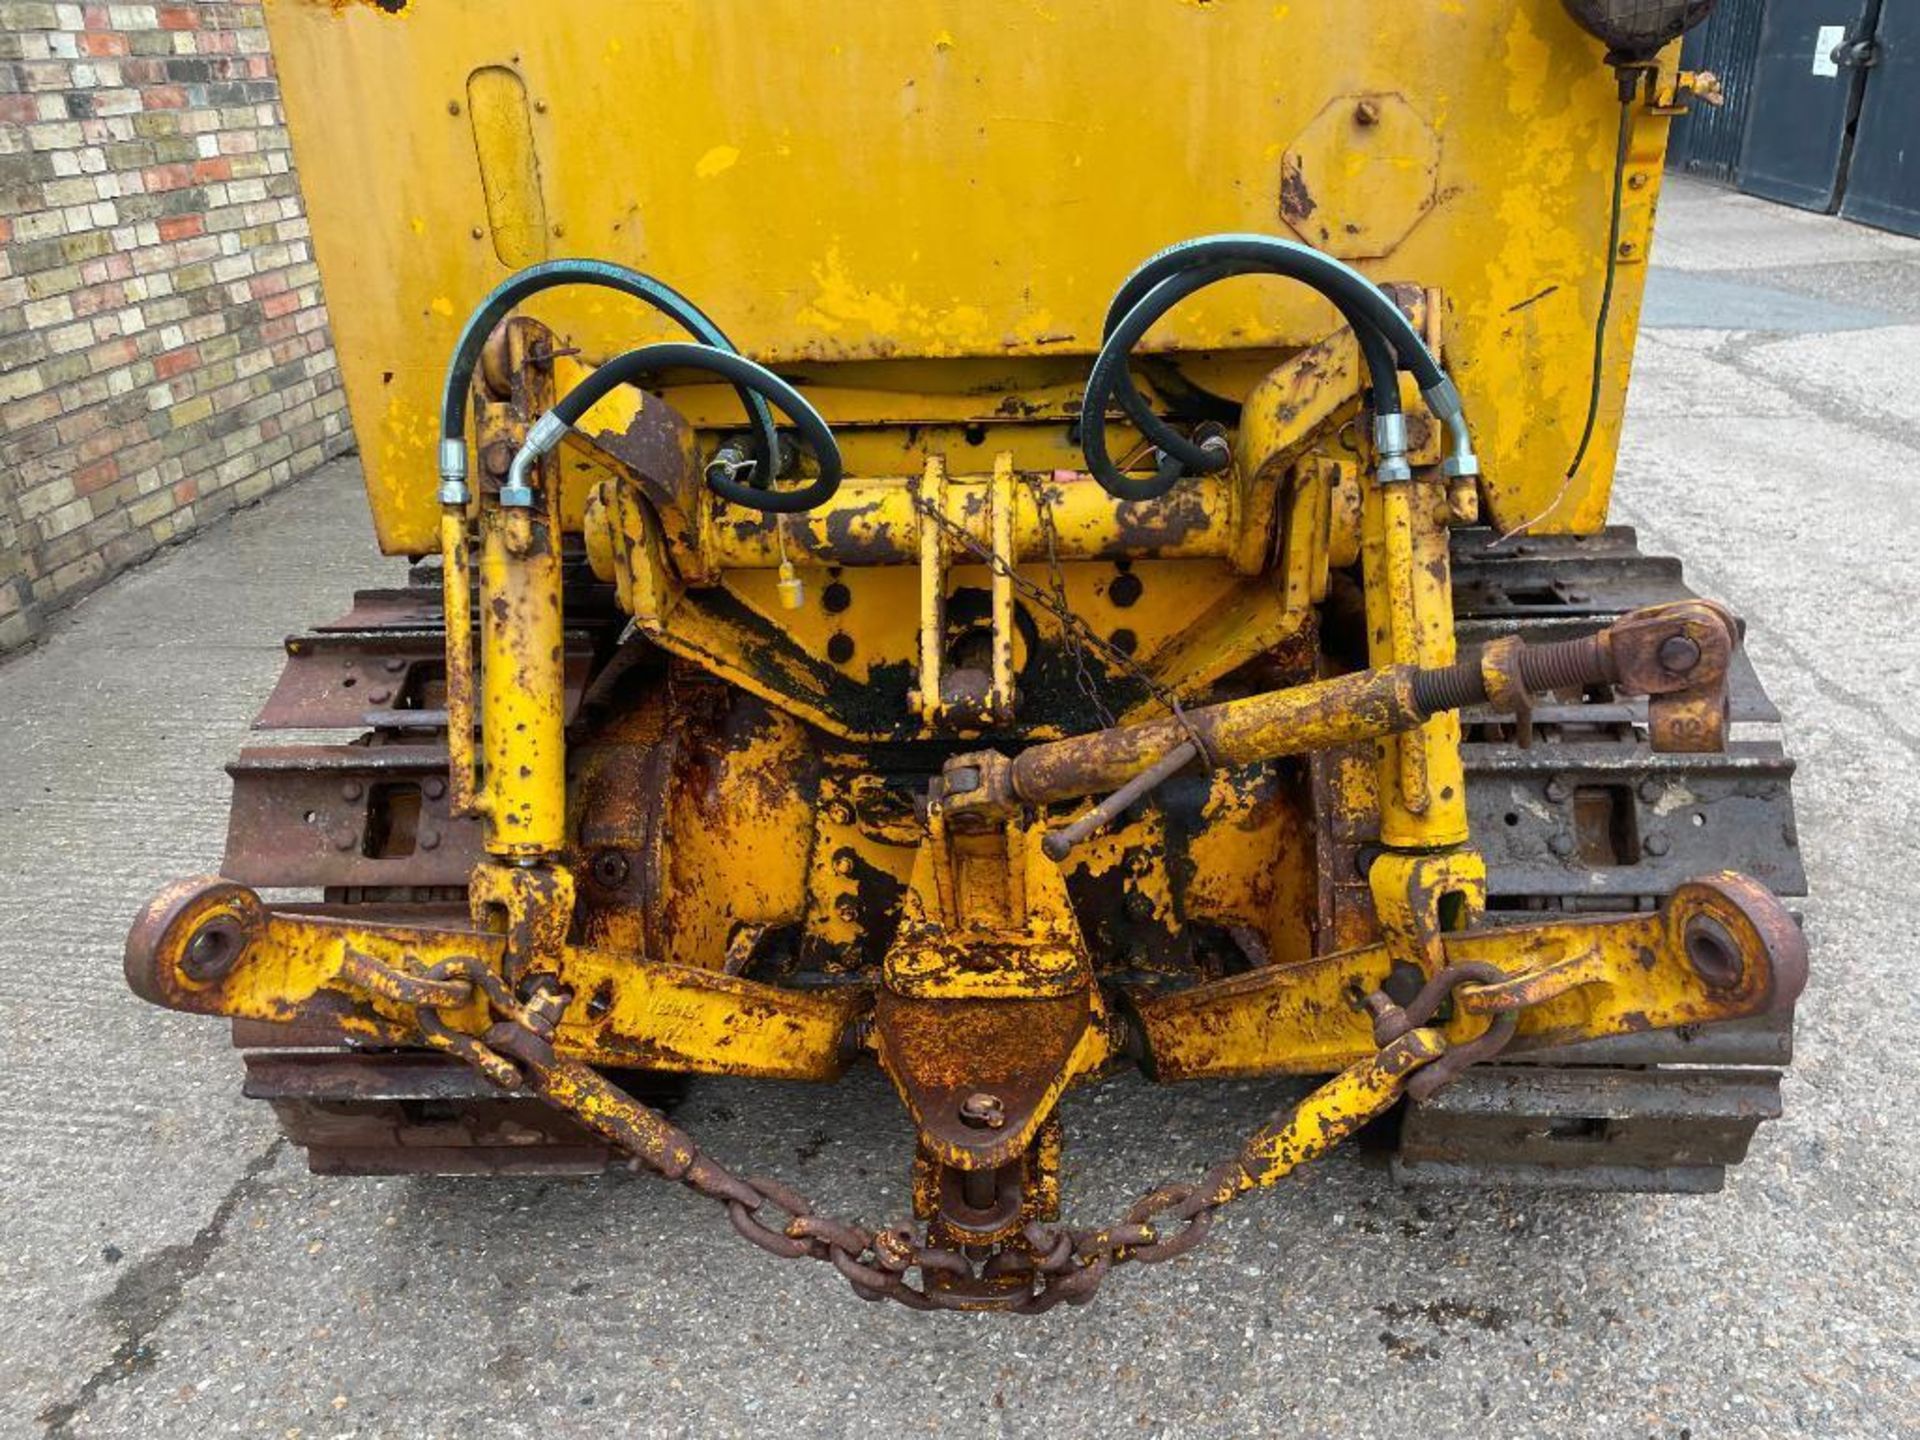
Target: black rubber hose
x=1345 y=286
x=1382 y=371
x=745 y=375
x=1180 y=456
x=552 y=274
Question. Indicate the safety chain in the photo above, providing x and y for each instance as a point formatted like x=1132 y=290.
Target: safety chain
x=1057 y=587
x=1059 y=1264
x=1078 y=634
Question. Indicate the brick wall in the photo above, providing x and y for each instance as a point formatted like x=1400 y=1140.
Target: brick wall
x=163 y=346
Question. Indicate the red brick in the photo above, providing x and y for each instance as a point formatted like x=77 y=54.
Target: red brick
x=167 y=177
x=218 y=167
x=175 y=362
x=186 y=492
x=163 y=97
x=19 y=109
x=112 y=354
x=178 y=17
x=96 y=476
x=285 y=303
x=98 y=42
x=181 y=227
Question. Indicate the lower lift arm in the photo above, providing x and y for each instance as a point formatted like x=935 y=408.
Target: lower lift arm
x=212 y=947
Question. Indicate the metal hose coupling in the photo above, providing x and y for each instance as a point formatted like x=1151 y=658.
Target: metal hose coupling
x=546 y=432
x=1390 y=448
x=1444 y=400
x=453 y=472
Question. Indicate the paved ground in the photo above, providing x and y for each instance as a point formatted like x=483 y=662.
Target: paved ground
x=169 y=1269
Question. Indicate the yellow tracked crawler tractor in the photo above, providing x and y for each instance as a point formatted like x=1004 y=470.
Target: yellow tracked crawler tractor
x=1128 y=586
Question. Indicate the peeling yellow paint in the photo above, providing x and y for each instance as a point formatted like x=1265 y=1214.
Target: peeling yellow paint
x=717 y=160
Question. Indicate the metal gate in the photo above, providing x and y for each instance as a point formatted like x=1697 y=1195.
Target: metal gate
x=1882 y=185
x=1804 y=101
x=1823 y=106
x=1706 y=140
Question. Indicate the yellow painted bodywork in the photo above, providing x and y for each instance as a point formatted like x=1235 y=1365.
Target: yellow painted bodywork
x=1014 y=161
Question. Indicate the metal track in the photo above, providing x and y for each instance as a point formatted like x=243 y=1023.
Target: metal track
x=367 y=825
x=1590 y=819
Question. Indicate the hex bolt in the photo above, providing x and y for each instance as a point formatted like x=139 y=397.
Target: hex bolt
x=433 y=787
x=848 y=909
x=1679 y=654
x=352 y=790
x=611 y=868
x=1651 y=790
x=1367 y=112
x=1561 y=845
x=982 y=1111
x=1656 y=843
x=1557 y=790
x=429 y=839
x=344 y=838
x=394 y=664
x=379 y=695
x=843 y=863
x=839 y=812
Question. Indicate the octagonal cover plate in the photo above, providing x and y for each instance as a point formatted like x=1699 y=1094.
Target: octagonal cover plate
x=1356 y=181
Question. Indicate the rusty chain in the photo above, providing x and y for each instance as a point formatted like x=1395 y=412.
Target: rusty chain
x=1058 y=1264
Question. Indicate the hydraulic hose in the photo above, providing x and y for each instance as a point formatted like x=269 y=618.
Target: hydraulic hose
x=1344 y=286
x=743 y=373
x=1356 y=296
x=547 y=276
x=1179 y=455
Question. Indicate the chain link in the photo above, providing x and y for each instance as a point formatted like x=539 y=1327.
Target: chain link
x=1056 y=1264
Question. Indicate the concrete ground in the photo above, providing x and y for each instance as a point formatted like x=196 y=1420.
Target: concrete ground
x=169 y=1268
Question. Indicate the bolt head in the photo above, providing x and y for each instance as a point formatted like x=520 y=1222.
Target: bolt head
x=1557 y=790
x=611 y=868
x=1561 y=845
x=1656 y=844
x=983 y=1111
x=1679 y=654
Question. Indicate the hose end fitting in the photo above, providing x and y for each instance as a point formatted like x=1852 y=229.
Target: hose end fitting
x=1444 y=399
x=545 y=433
x=730 y=462
x=1390 y=444
x=1462 y=464
x=1219 y=449
x=453 y=471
